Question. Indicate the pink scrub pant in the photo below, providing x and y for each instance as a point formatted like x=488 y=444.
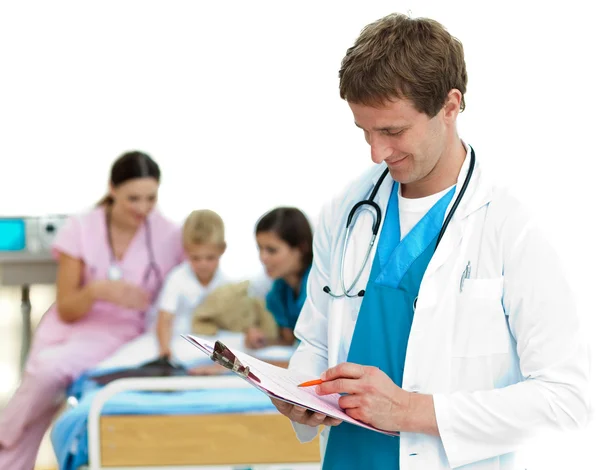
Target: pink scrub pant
x=49 y=370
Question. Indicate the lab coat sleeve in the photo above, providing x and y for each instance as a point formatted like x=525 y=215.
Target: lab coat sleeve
x=553 y=358
x=311 y=329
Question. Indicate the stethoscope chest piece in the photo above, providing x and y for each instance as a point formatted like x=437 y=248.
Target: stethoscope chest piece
x=115 y=273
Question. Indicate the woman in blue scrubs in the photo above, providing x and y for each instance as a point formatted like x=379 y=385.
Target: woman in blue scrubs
x=284 y=238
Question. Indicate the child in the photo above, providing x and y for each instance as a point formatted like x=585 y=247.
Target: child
x=187 y=284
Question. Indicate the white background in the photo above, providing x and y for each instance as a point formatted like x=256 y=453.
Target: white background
x=238 y=103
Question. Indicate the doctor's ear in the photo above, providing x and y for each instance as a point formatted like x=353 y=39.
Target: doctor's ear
x=452 y=106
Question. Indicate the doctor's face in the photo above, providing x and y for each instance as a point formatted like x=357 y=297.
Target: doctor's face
x=410 y=143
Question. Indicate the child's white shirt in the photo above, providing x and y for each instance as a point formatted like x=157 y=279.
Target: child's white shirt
x=182 y=293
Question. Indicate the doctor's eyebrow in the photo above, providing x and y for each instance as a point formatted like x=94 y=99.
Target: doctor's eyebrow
x=387 y=128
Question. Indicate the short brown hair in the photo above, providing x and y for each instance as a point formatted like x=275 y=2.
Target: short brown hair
x=400 y=57
x=203 y=227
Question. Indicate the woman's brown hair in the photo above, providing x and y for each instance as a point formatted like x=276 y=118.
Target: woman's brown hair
x=131 y=165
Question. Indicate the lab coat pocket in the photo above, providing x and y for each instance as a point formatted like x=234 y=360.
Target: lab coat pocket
x=480 y=326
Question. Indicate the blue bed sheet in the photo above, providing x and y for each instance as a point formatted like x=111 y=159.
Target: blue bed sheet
x=69 y=433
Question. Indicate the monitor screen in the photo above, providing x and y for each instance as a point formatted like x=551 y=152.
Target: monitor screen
x=12 y=235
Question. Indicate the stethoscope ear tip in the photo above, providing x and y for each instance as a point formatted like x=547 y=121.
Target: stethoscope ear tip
x=361 y=293
x=326 y=289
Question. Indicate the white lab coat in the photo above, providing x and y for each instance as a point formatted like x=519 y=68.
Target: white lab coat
x=502 y=359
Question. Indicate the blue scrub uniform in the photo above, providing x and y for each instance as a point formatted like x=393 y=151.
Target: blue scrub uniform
x=283 y=304
x=383 y=326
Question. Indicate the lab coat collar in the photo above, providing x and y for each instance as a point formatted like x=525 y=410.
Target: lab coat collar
x=476 y=196
x=479 y=191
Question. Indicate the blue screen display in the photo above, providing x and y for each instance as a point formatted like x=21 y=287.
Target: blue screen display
x=12 y=235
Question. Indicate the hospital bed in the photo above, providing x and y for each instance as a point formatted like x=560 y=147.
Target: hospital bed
x=175 y=423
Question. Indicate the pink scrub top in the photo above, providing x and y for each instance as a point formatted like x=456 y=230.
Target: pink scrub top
x=85 y=237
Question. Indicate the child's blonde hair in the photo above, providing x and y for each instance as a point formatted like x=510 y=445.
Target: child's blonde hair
x=204 y=227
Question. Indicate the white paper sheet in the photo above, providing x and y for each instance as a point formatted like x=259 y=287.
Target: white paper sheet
x=283 y=384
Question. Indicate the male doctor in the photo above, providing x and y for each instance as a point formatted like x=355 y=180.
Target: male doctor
x=465 y=344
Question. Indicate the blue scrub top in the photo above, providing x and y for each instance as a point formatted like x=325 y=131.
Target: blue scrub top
x=283 y=303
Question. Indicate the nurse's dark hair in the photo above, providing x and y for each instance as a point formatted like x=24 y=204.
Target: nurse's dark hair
x=129 y=166
x=402 y=57
x=292 y=226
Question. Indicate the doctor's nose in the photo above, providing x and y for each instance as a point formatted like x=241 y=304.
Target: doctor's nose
x=379 y=150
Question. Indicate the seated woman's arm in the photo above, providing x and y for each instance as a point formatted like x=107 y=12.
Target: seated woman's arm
x=256 y=338
x=74 y=299
x=286 y=337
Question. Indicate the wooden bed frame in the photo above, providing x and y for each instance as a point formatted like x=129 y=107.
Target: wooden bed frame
x=169 y=441
x=201 y=440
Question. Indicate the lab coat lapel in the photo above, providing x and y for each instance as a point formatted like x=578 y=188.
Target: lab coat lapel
x=476 y=196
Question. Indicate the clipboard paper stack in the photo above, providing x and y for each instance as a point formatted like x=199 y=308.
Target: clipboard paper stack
x=276 y=382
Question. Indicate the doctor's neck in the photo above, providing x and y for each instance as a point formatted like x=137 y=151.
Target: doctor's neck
x=443 y=174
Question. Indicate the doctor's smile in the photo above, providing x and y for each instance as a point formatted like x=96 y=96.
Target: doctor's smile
x=397 y=162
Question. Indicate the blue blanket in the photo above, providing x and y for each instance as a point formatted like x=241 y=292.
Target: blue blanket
x=69 y=434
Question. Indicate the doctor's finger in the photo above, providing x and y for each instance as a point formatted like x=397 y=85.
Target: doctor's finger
x=282 y=406
x=348 y=370
x=298 y=414
x=339 y=386
x=329 y=421
x=347 y=402
x=315 y=419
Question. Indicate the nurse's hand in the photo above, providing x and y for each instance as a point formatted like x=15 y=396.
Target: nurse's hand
x=255 y=338
x=301 y=415
x=122 y=293
x=371 y=396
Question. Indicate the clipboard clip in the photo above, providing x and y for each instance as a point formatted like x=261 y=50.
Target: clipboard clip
x=223 y=356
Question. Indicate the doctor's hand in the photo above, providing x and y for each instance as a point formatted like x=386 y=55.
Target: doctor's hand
x=301 y=415
x=121 y=293
x=371 y=396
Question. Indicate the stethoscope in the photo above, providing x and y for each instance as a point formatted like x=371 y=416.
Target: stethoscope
x=115 y=272
x=375 y=229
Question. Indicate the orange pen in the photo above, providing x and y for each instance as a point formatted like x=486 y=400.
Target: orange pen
x=310 y=383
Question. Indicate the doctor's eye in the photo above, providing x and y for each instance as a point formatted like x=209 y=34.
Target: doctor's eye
x=394 y=134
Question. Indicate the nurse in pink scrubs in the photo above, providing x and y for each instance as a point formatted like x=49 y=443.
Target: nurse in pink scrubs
x=111 y=264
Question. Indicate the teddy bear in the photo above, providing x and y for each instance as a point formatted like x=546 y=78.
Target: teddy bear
x=230 y=307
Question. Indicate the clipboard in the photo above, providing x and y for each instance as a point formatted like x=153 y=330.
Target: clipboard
x=222 y=355
x=276 y=382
